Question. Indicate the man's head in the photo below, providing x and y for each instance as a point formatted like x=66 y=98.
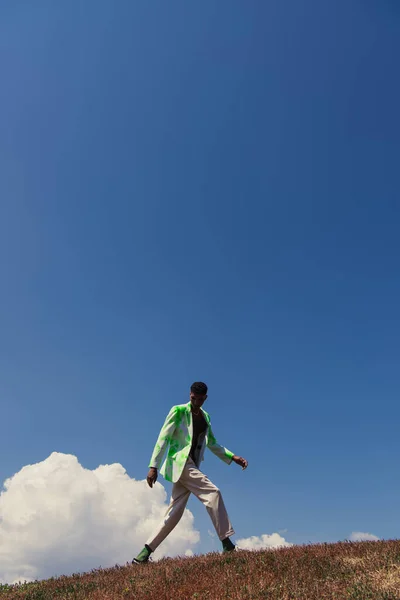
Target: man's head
x=198 y=394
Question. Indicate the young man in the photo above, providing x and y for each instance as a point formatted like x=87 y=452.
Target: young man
x=187 y=431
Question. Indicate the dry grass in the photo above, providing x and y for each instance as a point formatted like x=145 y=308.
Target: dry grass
x=346 y=570
x=387 y=579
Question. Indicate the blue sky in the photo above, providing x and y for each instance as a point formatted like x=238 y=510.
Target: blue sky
x=207 y=191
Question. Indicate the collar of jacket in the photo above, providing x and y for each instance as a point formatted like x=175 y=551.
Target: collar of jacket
x=205 y=414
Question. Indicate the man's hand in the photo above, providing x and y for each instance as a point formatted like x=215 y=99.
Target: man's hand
x=240 y=461
x=152 y=476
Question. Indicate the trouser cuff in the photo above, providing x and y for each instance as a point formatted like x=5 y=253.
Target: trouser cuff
x=228 y=534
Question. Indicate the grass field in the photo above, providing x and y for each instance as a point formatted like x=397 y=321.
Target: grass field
x=345 y=570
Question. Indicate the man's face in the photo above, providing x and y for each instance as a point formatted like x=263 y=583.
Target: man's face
x=197 y=400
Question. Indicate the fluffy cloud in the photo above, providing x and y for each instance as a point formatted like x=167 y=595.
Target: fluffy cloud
x=359 y=536
x=263 y=541
x=58 y=518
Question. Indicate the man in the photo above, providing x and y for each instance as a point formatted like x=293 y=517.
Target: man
x=187 y=431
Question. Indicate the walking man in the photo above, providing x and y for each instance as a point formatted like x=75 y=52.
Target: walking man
x=187 y=431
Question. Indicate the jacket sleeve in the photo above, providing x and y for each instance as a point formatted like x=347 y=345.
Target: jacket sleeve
x=222 y=453
x=163 y=439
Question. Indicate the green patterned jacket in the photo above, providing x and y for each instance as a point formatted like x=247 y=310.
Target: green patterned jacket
x=177 y=433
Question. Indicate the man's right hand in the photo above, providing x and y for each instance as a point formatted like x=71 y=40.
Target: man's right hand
x=152 y=476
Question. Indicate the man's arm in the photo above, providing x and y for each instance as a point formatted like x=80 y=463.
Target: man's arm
x=222 y=453
x=162 y=442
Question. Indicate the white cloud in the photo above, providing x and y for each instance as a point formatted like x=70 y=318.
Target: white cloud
x=263 y=541
x=58 y=518
x=212 y=534
x=360 y=536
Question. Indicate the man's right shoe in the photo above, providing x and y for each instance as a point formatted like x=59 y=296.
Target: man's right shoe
x=143 y=556
x=228 y=545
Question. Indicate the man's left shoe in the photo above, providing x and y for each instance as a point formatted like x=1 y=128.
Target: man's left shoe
x=143 y=556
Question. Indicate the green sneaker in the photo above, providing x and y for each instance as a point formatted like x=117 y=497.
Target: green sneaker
x=227 y=545
x=143 y=556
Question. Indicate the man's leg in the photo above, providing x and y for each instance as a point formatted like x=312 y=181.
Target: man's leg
x=179 y=497
x=196 y=482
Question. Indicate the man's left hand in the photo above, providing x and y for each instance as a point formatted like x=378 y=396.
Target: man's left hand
x=240 y=461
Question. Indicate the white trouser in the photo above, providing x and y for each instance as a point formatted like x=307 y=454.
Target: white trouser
x=193 y=481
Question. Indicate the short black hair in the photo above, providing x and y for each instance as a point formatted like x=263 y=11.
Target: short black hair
x=198 y=387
